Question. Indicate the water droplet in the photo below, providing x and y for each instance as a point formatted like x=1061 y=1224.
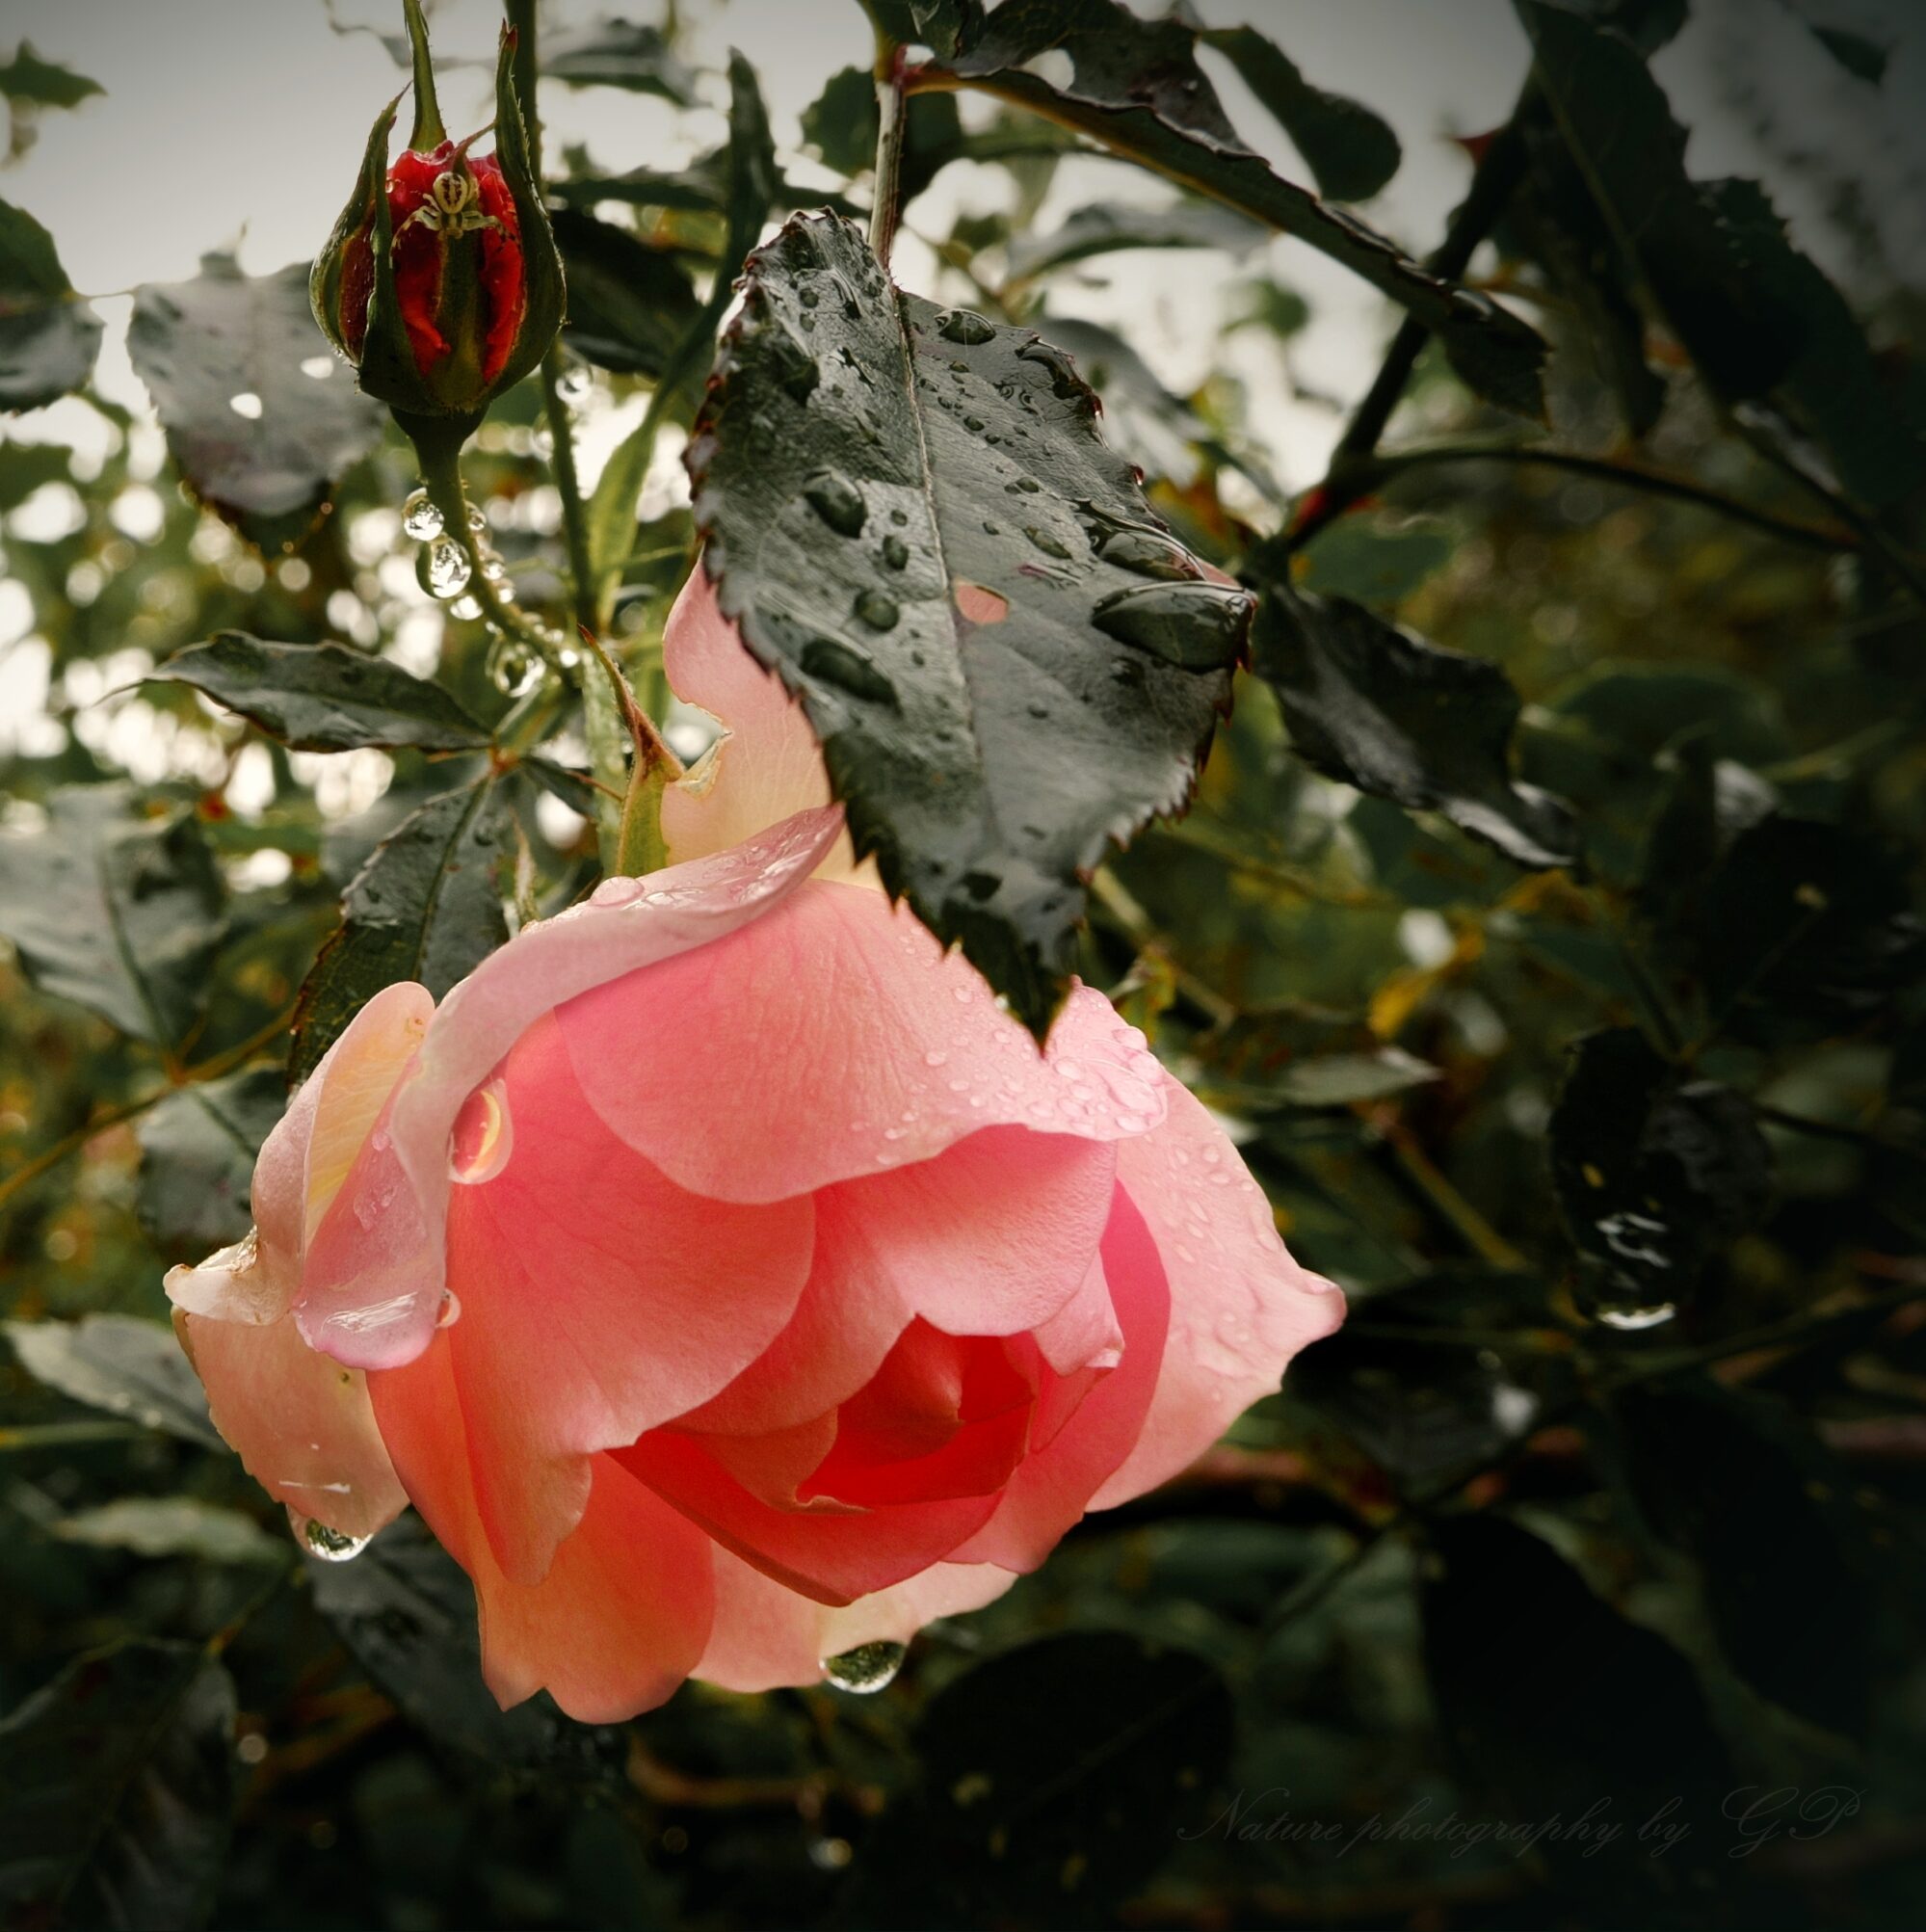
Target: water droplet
x=1062 y=371
x=419 y=517
x=1149 y=555
x=513 y=667
x=966 y=326
x=444 y=569
x=866 y=1668
x=831 y=1854
x=895 y=552
x=848 y=669
x=1632 y=1319
x=934 y=1057
x=450 y=1310
x=877 y=609
x=465 y=607
x=478 y=519
x=1046 y=541
x=484 y=1136
x=331 y=1545
x=1194 y=626
x=836 y=500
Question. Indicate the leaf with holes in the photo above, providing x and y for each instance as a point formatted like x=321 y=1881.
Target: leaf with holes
x=48 y=336
x=1007 y=660
x=1135 y=85
x=260 y=415
x=198 y=1152
x=119 y=1777
x=129 y=1367
x=121 y=913
x=1378 y=708
x=323 y=697
x=426 y=905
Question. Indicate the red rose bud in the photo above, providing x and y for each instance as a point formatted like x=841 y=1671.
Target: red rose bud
x=442 y=282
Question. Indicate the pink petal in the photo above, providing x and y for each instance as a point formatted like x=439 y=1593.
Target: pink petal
x=302 y=1424
x=992 y=1236
x=596 y=1300
x=765 y=766
x=624 y=1611
x=304 y=1160
x=1240 y=1306
x=1073 y=1452
x=765 y=1634
x=374 y=1272
x=836 y=1009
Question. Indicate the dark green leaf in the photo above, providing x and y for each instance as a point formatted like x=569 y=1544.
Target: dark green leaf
x=121 y=913
x=1350 y=152
x=1655 y=1173
x=842 y=124
x=323 y=697
x=1767 y=1515
x=128 y=1367
x=197 y=1158
x=119 y=1781
x=1379 y=708
x=1105 y=227
x=203 y=347
x=1765 y=327
x=1300 y=1056
x=173 y=1526
x=938 y=24
x=1137 y=87
x=426 y=905
x=1859 y=54
x=702 y=187
x=1052 y=1823
x=1805 y=924
x=1551 y=1701
x=1376 y=560
x=1157 y=431
x=628 y=304
x=914 y=519
x=406 y=1611
x=26 y=77
x=618 y=54
x=48 y=336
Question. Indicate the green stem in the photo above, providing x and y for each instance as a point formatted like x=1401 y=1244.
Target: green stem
x=891 y=119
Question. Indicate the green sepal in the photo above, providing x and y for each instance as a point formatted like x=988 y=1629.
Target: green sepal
x=546 y=292
x=367 y=208
x=428 y=133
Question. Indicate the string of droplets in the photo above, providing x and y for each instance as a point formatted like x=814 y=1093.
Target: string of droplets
x=446 y=573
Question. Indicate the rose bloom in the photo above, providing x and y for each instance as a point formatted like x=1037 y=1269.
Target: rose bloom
x=726 y=1279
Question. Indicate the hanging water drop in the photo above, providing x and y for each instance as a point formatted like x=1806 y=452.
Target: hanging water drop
x=1194 y=626
x=443 y=568
x=836 y=500
x=317 y=1539
x=1630 y=1320
x=419 y=517
x=513 y=667
x=450 y=1310
x=478 y=519
x=466 y=607
x=482 y=1138
x=966 y=326
x=866 y=1668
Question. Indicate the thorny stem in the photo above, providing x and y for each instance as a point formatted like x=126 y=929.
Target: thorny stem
x=891 y=105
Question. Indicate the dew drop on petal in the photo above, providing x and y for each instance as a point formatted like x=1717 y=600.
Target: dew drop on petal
x=867 y=1668
x=484 y=1136
x=316 y=1539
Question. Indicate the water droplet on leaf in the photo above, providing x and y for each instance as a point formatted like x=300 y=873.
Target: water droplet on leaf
x=1149 y=555
x=848 y=669
x=836 y=500
x=965 y=325
x=877 y=609
x=1194 y=626
x=895 y=552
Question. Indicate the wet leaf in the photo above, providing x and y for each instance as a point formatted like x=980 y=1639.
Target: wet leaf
x=260 y=415
x=129 y=1367
x=198 y=1152
x=426 y=905
x=1136 y=86
x=118 y=911
x=1655 y=1173
x=1859 y=54
x=1010 y=665
x=48 y=336
x=628 y=304
x=1768 y=1517
x=1350 y=150
x=1765 y=327
x=323 y=697
x=119 y=1777
x=1379 y=708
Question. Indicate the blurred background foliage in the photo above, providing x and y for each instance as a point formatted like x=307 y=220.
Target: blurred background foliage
x=1567 y=996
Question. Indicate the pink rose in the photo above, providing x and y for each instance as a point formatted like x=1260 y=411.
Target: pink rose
x=722 y=1275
